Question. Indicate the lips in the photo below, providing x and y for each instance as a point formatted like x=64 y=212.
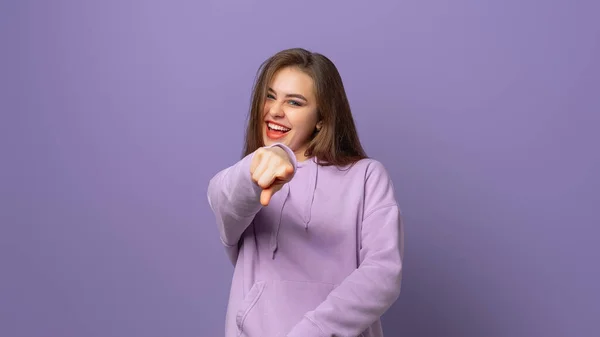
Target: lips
x=276 y=131
x=277 y=127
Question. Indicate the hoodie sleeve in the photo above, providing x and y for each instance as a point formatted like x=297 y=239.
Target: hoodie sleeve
x=365 y=295
x=235 y=200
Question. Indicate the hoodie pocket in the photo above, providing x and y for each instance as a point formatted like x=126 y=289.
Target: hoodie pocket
x=249 y=301
x=272 y=308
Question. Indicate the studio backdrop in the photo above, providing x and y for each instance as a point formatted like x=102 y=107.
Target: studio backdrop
x=115 y=114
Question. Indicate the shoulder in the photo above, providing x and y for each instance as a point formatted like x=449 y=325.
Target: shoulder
x=374 y=168
x=379 y=188
x=370 y=173
x=371 y=170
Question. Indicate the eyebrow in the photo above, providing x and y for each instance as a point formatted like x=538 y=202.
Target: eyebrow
x=292 y=95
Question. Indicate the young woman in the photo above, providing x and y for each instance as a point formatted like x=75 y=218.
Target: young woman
x=310 y=223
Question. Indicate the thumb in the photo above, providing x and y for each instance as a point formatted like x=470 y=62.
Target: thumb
x=289 y=169
x=287 y=172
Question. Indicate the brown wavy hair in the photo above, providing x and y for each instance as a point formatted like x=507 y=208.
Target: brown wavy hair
x=337 y=143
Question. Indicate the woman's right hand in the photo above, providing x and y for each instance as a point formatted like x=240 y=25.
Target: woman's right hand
x=270 y=169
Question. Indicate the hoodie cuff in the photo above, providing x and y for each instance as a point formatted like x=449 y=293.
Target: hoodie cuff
x=291 y=154
x=306 y=328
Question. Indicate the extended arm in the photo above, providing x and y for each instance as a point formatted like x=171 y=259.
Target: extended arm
x=234 y=199
x=234 y=196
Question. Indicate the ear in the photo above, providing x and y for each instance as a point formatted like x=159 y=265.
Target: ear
x=319 y=125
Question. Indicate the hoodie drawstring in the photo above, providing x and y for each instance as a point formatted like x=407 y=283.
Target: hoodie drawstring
x=311 y=188
x=275 y=234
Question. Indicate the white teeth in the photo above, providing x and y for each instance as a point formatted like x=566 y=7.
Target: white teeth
x=277 y=127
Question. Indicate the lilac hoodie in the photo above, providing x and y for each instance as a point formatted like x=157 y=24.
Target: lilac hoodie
x=323 y=259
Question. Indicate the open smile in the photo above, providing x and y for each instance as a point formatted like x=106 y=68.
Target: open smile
x=276 y=131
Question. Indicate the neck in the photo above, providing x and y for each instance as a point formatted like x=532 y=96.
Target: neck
x=300 y=154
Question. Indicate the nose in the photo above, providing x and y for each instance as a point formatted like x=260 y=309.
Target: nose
x=276 y=110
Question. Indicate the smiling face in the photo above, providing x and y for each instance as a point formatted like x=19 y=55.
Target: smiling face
x=298 y=99
x=290 y=110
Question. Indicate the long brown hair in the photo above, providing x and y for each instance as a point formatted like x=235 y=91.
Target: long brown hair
x=337 y=142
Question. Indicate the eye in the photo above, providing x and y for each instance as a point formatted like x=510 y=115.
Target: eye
x=270 y=96
x=296 y=103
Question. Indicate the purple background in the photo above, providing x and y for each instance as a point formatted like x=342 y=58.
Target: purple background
x=116 y=113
